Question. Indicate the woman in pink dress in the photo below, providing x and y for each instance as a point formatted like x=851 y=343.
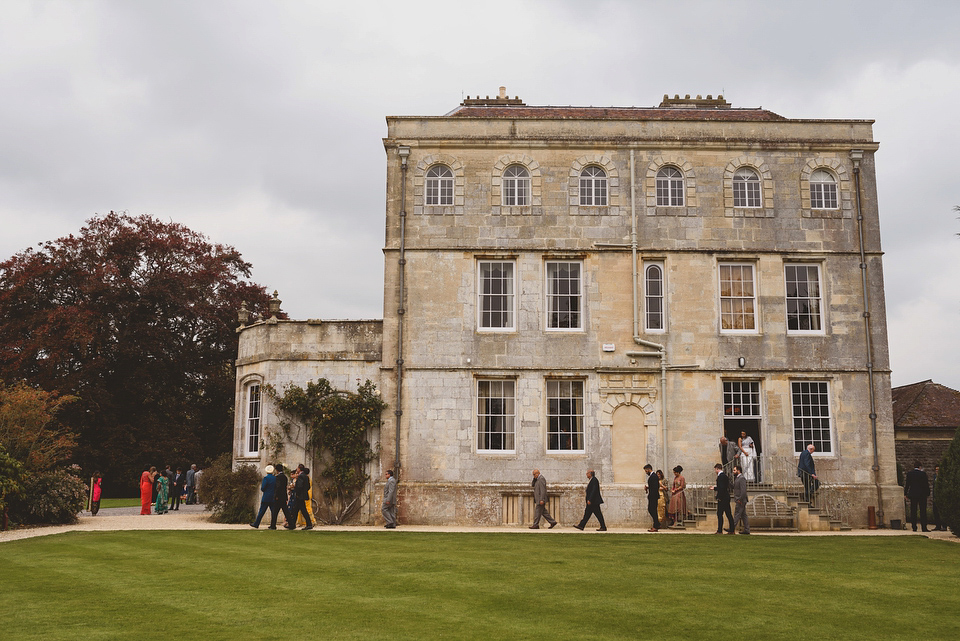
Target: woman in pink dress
x=146 y=489
x=678 y=498
x=95 y=498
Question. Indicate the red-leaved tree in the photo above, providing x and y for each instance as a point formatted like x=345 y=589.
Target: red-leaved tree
x=136 y=318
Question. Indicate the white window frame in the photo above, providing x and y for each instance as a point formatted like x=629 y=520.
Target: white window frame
x=593 y=187
x=738 y=303
x=653 y=298
x=488 y=294
x=569 y=303
x=812 y=416
x=438 y=186
x=742 y=399
x=807 y=306
x=496 y=415
x=670 y=191
x=252 y=419
x=515 y=186
x=823 y=190
x=565 y=399
x=747 y=189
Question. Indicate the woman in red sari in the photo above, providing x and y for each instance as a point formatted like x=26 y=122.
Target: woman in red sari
x=146 y=489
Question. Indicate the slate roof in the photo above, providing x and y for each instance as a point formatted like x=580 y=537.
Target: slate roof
x=926 y=404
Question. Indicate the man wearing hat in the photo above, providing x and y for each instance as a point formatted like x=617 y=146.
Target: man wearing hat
x=267 y=492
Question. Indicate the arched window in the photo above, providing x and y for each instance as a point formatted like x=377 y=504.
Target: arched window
x=252 y=419
x=669 y=187
x=653 y=296
x=823 y=190
x=746 y=188
x=516 y=186
x=439 y=185
x=593 y=187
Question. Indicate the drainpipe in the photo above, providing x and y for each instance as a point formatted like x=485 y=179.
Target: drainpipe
x=404 y=152
x=661 y=352
x=856 y=155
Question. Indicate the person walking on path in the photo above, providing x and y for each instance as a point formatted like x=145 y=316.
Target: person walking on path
x=301 y=489
x=540 y=501
x=653 y=496
x=740 y=498
x=916 y=487
x=279 y=498
x=177 y=493
x=389 y=508
x=594 y=500
x=95 y=494
x=163 y=489
x=146 y=489
x=678 y=497
x=807 y=471
x=722 y=490
x=268 y=488
x=192 y=485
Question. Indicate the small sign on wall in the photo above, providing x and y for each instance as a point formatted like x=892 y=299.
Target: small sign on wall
x=609 y=347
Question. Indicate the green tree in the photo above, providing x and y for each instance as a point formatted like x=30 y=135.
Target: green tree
x=10 y=474
x=337 y=423
x=29 y=430
x=136 y=318
x=947 y=489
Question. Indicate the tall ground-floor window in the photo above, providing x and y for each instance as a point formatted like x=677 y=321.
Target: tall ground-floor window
x=253 y=418
x=564 y=416
x=811 y=415
x=496 y=415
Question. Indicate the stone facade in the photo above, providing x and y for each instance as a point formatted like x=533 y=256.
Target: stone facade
x=524 y=330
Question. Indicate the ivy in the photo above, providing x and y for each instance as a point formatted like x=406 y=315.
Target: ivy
x=337 y=423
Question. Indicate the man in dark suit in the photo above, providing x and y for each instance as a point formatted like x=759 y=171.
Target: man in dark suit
x=807 y=472
x=917 y=489
x=301 y=490
x=653 y=496
x=722 y=489
x=593 y=503
x=176 y=492
x=740 y=498
x=279 y=498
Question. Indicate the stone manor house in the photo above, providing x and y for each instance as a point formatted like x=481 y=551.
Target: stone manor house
x=574 y=288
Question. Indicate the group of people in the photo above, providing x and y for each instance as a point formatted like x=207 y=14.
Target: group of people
x=743 y=452
x=290 y=497
x=165 y=490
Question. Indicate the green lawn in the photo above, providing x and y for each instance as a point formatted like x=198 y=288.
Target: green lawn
x=374 y=585
x=105 y=503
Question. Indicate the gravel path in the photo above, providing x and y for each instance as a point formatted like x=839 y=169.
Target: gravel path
x=195 y=517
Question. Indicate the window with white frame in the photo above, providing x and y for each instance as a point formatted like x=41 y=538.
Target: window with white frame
x=654 y=311
x=811 y=415
x=438 y=185
x=737 y=298
x=669 y=187
x=515 y=186
x=253 y=418
x=496 y=415
x=741 y=399
x=823 y=190
x=496 y=295
x=593 y=187
x=803 y=298
x=746 y=188
x=564 y=416
x=564 y=295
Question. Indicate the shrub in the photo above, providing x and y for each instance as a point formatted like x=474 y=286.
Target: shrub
x=52 y=497
x=947 y=490
x=230 y=492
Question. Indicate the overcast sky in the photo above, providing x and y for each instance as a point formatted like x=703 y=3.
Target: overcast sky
x=260 y=123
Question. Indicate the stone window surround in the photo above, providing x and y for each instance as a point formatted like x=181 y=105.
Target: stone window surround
x=582 y=296
x=834 y=445
x=606 y=163
x=419 y=174
x=561 y=377
x=738 y=262
x=478 y=377
x=245 y=384
x=536 y=186
x=824 y=324
x=844 y=189
x=766 y=188
x=661 y=264
x=689 y=187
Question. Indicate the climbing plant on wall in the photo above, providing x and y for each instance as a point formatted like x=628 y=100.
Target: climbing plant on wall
x=338 y=423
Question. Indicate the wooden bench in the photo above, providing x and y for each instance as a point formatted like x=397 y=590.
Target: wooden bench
x=767 y=513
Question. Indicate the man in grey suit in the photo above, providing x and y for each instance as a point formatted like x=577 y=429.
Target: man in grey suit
x=740 y=496
x=728 y=452
x=389 y=508
x=540 y=501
